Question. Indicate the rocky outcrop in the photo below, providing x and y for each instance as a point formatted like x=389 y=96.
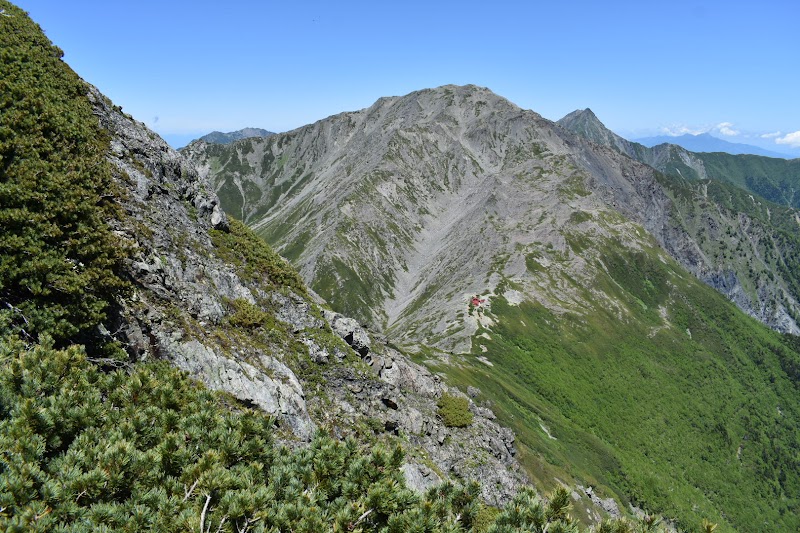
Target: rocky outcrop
x=399 y=398
x=177 y=281
x=271 y=386
x=349 y=330
x=298 y=371
x=400 y=212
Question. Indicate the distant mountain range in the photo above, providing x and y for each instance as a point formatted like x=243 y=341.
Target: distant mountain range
x=708 y=143
x=217 y=137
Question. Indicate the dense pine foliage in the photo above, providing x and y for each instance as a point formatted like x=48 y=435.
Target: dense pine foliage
x=146 y=449
x=59 y=261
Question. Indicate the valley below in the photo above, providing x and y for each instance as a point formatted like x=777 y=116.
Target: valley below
x=439 y=313
x=606 y=331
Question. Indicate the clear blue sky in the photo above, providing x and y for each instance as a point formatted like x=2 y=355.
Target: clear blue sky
x=189 y=67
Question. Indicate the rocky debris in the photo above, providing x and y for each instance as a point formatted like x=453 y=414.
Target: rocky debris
x=179 y=309
x=403 y=401
x=483 y=411
x=349 y=330
x=606 y=506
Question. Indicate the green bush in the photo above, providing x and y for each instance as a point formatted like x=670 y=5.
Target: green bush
x=246 y=315
x=146 y=449
x=254 y=257
x=454 y=411
x=59 y=262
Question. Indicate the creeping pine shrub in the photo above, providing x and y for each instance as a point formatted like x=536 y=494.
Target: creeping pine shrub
x=254 y=257
x=60 y=264
x=454 y=411
x=146 y=449
x=246 y=315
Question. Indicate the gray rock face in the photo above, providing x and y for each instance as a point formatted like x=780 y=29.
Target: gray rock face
x=605 y=507
x=171 y=212
x=349 y=330
x=271 y=386
x=419 y=478
x=438 y=195
x=180 y=310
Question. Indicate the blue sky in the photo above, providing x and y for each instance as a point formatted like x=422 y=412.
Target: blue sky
x=644 y=67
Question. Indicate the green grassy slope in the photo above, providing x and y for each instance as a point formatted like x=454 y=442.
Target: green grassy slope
x=679 y=404
x=777 y=180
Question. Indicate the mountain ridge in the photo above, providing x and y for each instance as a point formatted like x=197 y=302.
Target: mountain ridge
x=776 y=179
x=705 y=142
x=511 y=254
x=251 y=201
x=218 y=137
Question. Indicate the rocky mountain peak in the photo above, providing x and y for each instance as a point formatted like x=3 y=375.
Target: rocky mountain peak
x=586 y=116
x=586 y=124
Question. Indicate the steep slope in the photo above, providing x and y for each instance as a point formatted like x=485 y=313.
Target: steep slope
x=551 y=272
x=775 y=179
x=748 y=245
x=117 y=439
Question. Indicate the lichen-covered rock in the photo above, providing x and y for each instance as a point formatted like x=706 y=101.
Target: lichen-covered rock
x=184 y=307
x=419 y=478
x=349 y=330
x=270 y=386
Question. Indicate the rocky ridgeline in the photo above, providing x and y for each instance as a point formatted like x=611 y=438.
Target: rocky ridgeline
x=181 y=307
x=443 y=193
x=757 y=286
